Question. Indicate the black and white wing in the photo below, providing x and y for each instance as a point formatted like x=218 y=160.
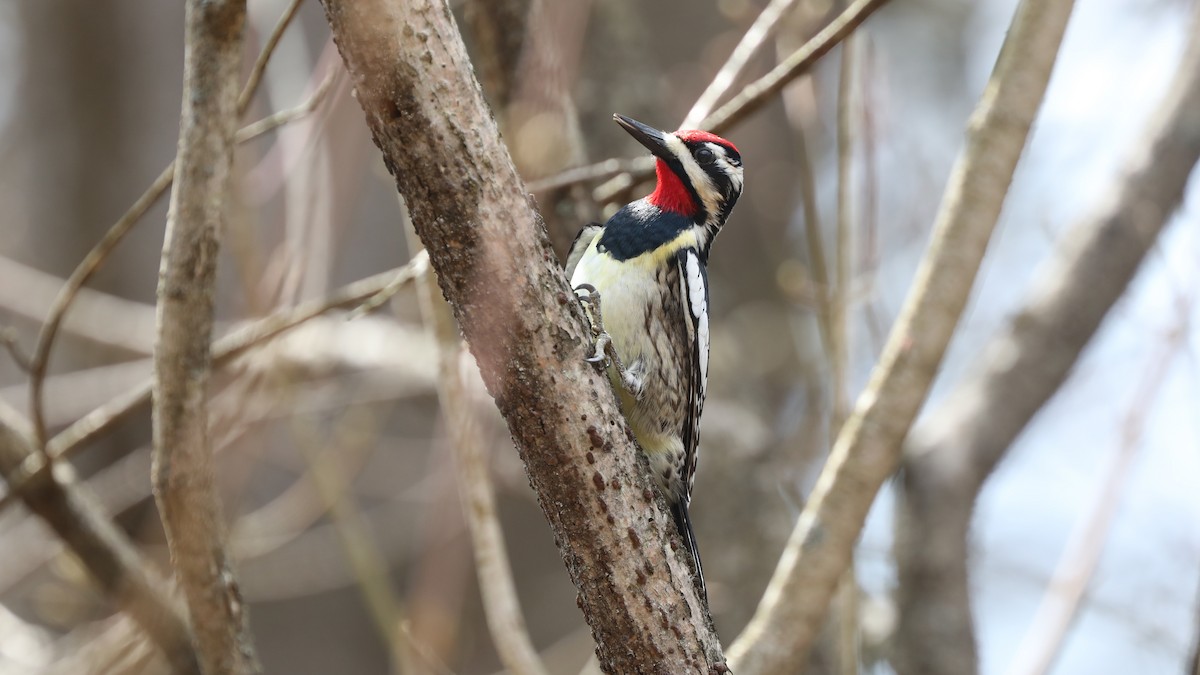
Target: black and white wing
x=693 y=280
x=578 y=247
x=693 y=277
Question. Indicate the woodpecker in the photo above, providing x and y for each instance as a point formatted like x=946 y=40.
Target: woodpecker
x=643 y=280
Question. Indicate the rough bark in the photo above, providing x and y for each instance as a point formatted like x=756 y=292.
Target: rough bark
x=183 y=473
x=949 y=457
x=868 y=448
x=496 y=268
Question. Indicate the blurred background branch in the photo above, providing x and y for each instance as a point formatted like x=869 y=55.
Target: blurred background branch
x=80 y=522
x=867 y=450
x=951 y=455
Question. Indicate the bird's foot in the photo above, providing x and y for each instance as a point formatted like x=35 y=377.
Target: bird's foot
x=605 y=352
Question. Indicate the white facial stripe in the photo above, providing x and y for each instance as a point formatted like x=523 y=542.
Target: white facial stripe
x=700 y=180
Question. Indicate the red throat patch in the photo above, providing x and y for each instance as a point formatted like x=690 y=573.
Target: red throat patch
x=670 y=194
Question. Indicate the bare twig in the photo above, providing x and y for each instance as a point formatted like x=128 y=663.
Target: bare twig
x=424 y=109
x=839 y=352
x=600 y=170
x=949 y=457
x=95 y=258
x=264 y=57
x=813 y=239
x=182 y=470
x=80 y=276
x=756 y=94
x=624 y=173
x=97 y=317
x=1043 y=640
x=415 y=270
x=369 y=567
x=8 y=338
x=56 y=497
x=867 y=450
x=759 y=32
x=503 y=609
x=288 y=115
x=230 y=347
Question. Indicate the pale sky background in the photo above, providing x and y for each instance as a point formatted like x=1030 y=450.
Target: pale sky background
x=1140 y=612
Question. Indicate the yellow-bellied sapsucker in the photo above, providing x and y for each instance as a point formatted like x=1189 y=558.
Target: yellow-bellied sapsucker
x=643 y=275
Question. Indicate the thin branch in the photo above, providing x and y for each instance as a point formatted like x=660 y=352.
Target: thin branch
x=760 y=31
x=425 y=111
x=1060 y=605
x=228 y=348
x=813 y=239
x=225 y=352
x=56 y=497
x=288 y=115
x=79 y=277
x=626 y=172
x=8 y=338
x=496 y=585
x=182 y=469
x=369 y=567
x=840 y=302
x=584 y=174
x=40 y=361
x=867 y=450
x=756 y=94
x=264 y=57
x=949 y=457
x=839 y=353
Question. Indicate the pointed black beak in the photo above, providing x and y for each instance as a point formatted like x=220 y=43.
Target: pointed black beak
x=654 y=140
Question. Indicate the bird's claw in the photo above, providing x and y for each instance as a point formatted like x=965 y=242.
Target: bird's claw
x=589 y=297
x=605 y=352
x=603 y=345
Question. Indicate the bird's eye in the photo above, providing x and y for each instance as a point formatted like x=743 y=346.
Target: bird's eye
x=705 y=156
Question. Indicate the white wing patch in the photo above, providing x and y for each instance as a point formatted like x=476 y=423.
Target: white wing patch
x=698 y=302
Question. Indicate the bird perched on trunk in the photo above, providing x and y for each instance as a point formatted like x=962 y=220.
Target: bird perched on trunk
x=642 y=276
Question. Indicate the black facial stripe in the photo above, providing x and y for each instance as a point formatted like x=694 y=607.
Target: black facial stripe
x=676 y=166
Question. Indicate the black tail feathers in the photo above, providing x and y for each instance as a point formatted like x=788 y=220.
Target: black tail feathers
x=684 y=522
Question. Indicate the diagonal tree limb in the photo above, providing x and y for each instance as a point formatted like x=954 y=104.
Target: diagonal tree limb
x=950 y=456
x=57 y=498
x=182 y=471
x=868 y=447
x=496 y=267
